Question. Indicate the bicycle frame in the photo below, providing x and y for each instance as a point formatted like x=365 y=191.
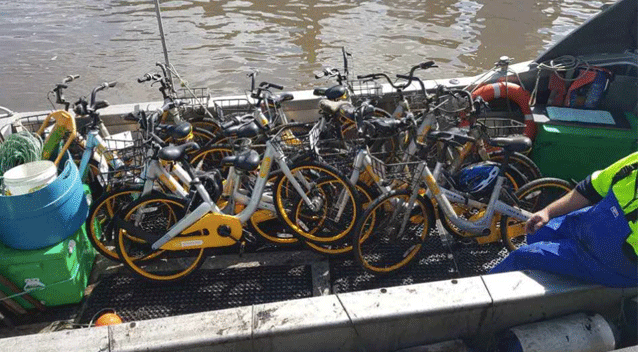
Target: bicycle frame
x=153 y=169
x=208 y=213
x=444 y=197
x=363 y=160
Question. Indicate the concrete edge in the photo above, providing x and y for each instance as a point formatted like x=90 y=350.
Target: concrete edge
x=373 y=320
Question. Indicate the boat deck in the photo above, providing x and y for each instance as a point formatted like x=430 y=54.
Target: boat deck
x=270 y=275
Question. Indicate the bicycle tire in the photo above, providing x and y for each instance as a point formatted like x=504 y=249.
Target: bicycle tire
x=366 y=195
x=136 y=253
x=532 y=197
x=268 y=225
x=206 y=124
x=312 y=225
x=521 y=162
x=378 y=248
x=209 y=158
x=202 y=137
x=98 y=223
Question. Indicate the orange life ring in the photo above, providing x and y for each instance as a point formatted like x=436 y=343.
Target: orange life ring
x=515 y=93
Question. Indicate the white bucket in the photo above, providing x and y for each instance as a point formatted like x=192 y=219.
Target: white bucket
x=29 y=177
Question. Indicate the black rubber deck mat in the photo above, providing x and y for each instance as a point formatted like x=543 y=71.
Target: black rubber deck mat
x=475 y=259
x=432 y=263
x=205 y=290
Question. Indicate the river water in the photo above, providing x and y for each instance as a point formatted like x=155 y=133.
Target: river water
x=215 y=43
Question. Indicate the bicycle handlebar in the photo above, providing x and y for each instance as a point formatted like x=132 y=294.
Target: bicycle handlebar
x=58 y=90
x=149 y=77
x=266 y=85
x=415 y=79
x=70 y=78
x=99 y=88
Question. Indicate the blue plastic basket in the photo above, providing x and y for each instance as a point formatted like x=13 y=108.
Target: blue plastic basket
x=46 y=216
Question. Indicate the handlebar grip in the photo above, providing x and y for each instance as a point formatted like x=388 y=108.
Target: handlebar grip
x=427 y=64
x=145 y=78
x=276 y=86
x=111 y=84
x=70 y=78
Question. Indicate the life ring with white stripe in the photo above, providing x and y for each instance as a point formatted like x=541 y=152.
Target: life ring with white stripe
x=513 y=92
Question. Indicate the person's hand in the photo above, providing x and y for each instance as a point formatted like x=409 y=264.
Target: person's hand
x=538 y=220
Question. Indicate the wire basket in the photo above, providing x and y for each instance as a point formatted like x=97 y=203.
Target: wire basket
x=404 y=171
x=225 y=108
x=364 y=90
x=196 y=100
x=298 y=138
x=121 y=159
x=195 y=97
x=30 y=123
x=501 y=127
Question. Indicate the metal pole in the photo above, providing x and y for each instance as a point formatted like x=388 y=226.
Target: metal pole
x=161 y=29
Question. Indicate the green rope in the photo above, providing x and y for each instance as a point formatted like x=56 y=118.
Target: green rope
x=19 y=148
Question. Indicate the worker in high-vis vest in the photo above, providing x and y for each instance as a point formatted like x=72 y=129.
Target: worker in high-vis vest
x=597 y=240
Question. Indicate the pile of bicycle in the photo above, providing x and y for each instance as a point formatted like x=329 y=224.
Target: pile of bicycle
x=360 y=180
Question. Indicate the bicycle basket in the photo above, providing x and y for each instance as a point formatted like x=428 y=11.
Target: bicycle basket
x=403 y=171
x=298 y=137
x=30 y=123
x=364 y=90
x=121 y=159
x=197 y=100
x=223 y=109
x=501 y=127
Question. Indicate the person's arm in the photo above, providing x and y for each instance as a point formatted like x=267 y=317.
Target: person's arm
x=566 y=204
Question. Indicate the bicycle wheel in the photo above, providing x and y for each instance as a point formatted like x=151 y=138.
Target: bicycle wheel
x=267 y=224
x=210 y=158
x=206 y=124
x=155 y=214
x=367 y=195
x=395 y=236
x=335 y=200
x=99 y=225
x=532 y=197
x=202 y=137
x=521 y=162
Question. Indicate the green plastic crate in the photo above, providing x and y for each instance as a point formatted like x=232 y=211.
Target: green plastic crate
x=575 y=151
x=59 y=273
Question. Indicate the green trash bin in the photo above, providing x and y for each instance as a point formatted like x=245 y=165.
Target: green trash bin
x=573 y=151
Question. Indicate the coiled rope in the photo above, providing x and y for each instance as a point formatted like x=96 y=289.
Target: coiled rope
x=19 y=148
x=560 y=64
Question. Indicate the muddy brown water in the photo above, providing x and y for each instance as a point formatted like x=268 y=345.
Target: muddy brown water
x=215 y=43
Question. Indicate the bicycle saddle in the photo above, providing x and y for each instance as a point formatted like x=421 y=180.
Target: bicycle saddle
x=452 y=135
x=331 y=93
x=384 y=126
x=278 y=99
x=176 y=152
x=512 y=143
x=178 y=131
x=246 y=130
x=333 y=107
x=247 y=160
